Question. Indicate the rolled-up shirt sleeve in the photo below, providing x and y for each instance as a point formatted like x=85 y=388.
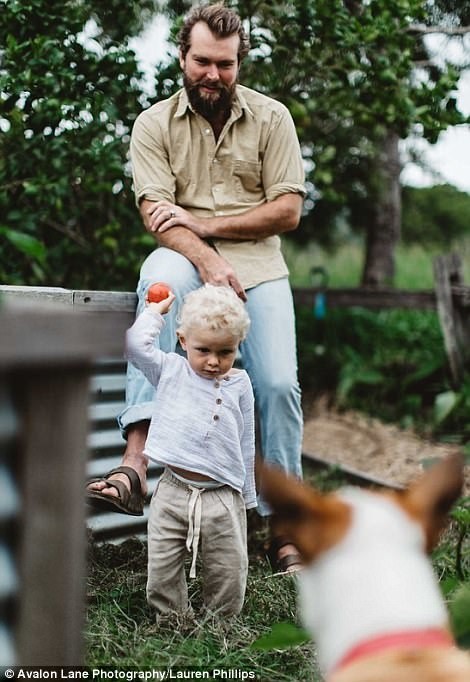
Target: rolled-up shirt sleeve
x=140 y=345
x=283 y=170
x=151 y=171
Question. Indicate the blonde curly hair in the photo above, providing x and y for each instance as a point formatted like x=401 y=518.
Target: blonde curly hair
x=217 y=308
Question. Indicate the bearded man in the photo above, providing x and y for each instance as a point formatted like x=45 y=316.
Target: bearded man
x=218 y=176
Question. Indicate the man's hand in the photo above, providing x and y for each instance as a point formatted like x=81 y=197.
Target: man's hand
x=215 y=270
x=271 y=218
x=163 y=215
x=212 y=268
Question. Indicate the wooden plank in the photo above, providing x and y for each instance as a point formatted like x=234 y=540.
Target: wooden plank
x=461 y=295
x=108 y=301
x=56 y=336
x=53 y=407
x=79 y=300
x=113 y=302
x=352 y=475
x=446 y=269
x=367 y=298
x=15 y=294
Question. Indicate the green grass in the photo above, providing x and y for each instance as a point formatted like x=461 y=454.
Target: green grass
x=343 y=267
x=121 y=630
x=414 y=269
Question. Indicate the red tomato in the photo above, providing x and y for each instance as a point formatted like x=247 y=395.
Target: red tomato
x=158 y=292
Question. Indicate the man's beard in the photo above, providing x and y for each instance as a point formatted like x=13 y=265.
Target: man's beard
x=209 y=107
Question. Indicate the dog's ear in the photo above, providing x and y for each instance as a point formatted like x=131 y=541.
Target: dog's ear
x=430 y=498
x=313 y=521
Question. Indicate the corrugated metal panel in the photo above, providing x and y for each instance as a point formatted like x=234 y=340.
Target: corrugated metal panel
x=106 y=446
x=9 y=512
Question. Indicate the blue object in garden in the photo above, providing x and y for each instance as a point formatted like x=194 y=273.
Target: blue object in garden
x=319 y=280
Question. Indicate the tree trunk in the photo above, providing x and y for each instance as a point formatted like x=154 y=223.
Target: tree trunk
x=383 y=230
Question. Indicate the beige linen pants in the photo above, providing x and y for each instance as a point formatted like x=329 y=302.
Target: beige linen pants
x=184 y=518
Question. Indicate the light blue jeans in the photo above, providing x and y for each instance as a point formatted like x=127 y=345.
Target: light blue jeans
x=268 y=354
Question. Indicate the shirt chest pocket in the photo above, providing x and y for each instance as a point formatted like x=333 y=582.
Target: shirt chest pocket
x=247 y=177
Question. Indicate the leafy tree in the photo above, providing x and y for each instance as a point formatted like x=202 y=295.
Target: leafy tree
x=67 y=103
x=352 y=68
x=357 y=78
x=435 y=215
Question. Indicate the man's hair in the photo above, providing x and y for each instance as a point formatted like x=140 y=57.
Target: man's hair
x=222 y=22
x=214 y=308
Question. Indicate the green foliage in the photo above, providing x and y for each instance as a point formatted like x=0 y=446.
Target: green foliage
x=67 y=104
x=347 y=73
x=460 y=615
x=451 y=411
x=349 y=79
x=435 y=215
x=281 y=636
x=390 y=364
x=444 y=404
x=66 y=108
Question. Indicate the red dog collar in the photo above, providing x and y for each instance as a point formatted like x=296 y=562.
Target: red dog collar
x=432 y=637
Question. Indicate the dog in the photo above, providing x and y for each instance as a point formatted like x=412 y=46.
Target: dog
x=367 y=592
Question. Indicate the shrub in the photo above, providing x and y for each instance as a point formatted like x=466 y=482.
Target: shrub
x=390 y=364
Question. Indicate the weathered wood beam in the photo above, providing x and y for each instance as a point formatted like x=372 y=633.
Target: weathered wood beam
x=368 y=298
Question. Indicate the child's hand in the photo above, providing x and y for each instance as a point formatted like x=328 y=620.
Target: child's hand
x=163 y=306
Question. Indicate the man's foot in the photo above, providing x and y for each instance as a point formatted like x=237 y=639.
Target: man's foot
x=129 y=481
x=138 y=462
x=284 y=556
x=112 y=494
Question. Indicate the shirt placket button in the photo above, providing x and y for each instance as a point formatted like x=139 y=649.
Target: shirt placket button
x=218 y=400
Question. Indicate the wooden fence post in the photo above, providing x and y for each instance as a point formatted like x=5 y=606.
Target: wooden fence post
x=453 y=313
x=46 y=356
x=53 y=408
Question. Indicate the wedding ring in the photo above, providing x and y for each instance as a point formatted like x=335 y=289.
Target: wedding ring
x=172 y=214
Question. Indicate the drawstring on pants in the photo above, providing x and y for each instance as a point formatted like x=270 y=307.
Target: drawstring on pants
x=194 y=529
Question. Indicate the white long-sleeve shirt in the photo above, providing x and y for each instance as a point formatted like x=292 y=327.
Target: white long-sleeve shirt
x=202 y=425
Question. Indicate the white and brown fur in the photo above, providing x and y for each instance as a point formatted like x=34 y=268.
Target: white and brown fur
x=367 y=576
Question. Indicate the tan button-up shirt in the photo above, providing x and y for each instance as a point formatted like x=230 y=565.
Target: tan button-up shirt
x=256 y=158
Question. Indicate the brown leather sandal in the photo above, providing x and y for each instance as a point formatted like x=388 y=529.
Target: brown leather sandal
x=129 y=501
x=286 y=565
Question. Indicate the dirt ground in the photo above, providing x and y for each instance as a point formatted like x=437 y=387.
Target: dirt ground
x=365 y=445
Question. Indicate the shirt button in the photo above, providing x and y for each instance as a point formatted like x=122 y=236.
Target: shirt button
x=216 y=417
x=207 y=131
x=219 y=401
x=216 y=384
